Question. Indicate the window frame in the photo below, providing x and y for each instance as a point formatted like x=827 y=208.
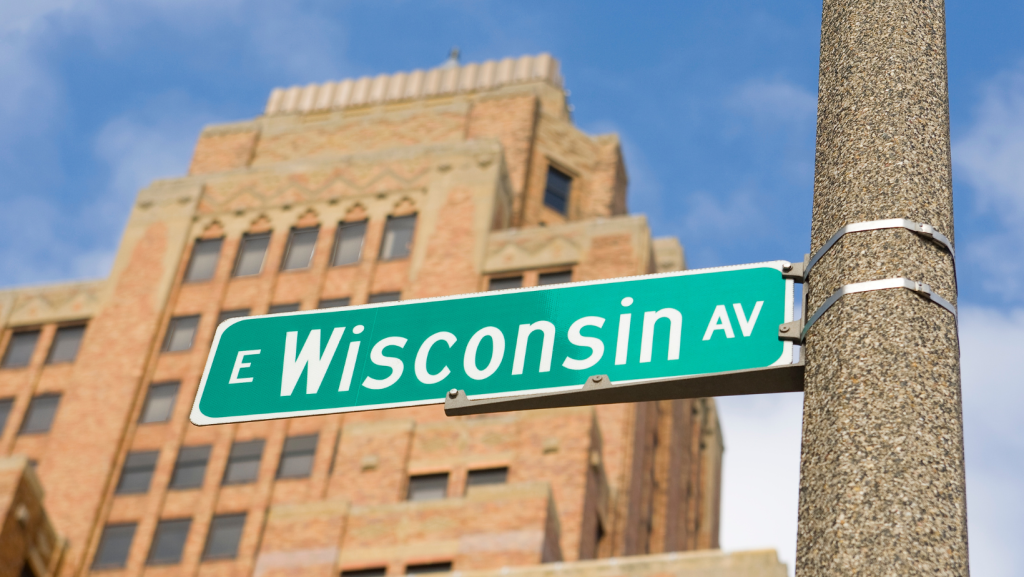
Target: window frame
x=192 y=260
x=237 y=459
x=149 y=398
x=207 y=555
x=250 y=237
x=165 y=347
x=297 y=453
x=162 y=523
x=5 y=359
x=335 y=249
x=53 y=343
x=558 y=168
x=412 y=237
x=180 y=462
x=96 y=565
x=427 y=476
x=490 y=281
x=127 y=468
x=22 y=430
x=291 y=243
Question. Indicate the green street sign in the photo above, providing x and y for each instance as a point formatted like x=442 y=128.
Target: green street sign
x=494 y=344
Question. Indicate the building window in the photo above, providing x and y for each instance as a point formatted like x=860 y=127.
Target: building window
x=496 y=476
x=40 y=414
x=428 y=487
x=398 y=237
x=228 y=315
x=385 y=298
x=224 y=536
x=251 y=254
x=20 y=349
x=348 y=243
x=505 y=283
x=370 y=572
x=425 y=568
x=180 y=332
x=559 y=277
x=285 y=308
x=299 y=253
x=115 y=543
x=333 y=303
x=65 y=344
x=190 y=468
x=168 y=542
x=137 y=472
x=556 y=191
x=203 y=263
x=243 y=462
x=5 y=411
x=297 y=457
x=159 y=403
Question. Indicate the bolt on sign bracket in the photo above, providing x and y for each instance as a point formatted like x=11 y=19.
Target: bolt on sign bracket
x=600 y=390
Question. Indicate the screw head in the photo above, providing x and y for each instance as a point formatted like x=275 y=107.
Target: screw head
x=783 y=329
x=787 y=267
x=597 y=378
x=453 y=393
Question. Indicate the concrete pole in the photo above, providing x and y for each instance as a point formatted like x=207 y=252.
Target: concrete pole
x=882 y=488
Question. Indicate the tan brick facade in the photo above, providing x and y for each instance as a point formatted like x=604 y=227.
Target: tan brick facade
x=470 y=162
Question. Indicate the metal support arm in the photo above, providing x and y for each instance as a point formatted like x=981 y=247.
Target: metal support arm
x=600 y=390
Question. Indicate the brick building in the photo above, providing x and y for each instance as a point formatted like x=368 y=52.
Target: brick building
x=453 y=180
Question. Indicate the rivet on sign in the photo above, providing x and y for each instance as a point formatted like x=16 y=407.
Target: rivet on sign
x=783 y=329
x=787 y=267
x=597 y=379
x=453 y=393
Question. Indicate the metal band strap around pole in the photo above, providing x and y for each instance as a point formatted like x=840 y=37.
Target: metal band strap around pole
x=874 y=285
x=925 y=230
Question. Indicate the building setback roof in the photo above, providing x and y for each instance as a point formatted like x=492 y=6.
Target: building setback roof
x=401 y=86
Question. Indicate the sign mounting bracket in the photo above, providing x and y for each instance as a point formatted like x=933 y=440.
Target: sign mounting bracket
x=600 y=390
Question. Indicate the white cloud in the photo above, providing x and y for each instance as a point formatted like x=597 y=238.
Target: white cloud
x=761 y=472
x=991 y=343
x=990 y=158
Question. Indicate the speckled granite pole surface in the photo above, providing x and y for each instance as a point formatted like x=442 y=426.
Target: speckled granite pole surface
x=882 y=488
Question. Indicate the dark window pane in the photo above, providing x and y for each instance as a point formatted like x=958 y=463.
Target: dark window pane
x=371 y=572
x=509 y=282
x=114 y=545
x=555 y=277
x=250 y=256
x=287 y=308
x=180 y=332
x=497 y=476
x=168 y=542
x=226 y=315
x=299 y=253
x=333 y=303
x=348 y=243
x=225 y=533
x=65 y=344
x=20 y=349
x=137 y=472
x=428 y=568
x=190 y=468
x=398 y=237
x=159 y=403
x=428 y=487
x=556 y=193
x=5 y=411
x=244 y=462
x=297 y=457
x=40 y=414
x=204 y=260
x=385 y=298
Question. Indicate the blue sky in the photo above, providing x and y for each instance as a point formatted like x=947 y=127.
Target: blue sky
x=715 y=104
